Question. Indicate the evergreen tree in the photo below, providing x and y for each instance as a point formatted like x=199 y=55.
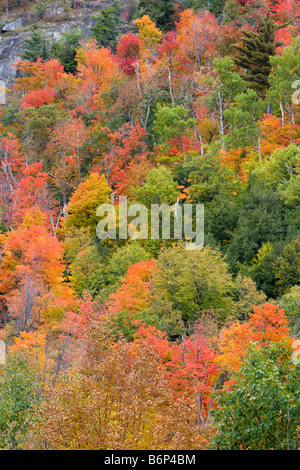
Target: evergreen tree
x=214 y=6
x=254 y=55
x=160 y=11
x=65 y=49
x=106 y=28
x=262 y=219
x=34 y=47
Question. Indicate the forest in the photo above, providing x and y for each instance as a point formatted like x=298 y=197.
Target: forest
x=141 y=344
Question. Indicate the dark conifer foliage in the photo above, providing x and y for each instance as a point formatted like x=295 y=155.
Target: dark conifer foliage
x=35 y=46
x=254 y=54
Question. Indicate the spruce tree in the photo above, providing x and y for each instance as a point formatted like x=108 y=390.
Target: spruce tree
x=65 y=49
x=254 y=55
x=162 y=12
x=34 y=47
x=106 y=28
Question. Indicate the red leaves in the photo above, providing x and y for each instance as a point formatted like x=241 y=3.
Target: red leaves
x=189 y=367
x=127 y=53
x=76 y=323
x=126 y=151
x=38 y=98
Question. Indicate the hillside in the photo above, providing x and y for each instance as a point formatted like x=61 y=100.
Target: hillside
x=16 y=27
x=150 y=227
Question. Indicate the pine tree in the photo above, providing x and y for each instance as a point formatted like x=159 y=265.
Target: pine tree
x=65 y=49
x=161 y=12
x=35 y=47
x=254 y=55
x=106 y=28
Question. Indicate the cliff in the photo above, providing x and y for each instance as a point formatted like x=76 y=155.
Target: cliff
x=16 y=27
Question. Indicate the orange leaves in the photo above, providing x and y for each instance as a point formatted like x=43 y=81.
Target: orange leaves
x=97 y=70
x=76 y=323
x=134 y=174
x=31 y=249
x=267 y=323
x=31 y=272
x=233 y=343
x=197 y=37
x=115 y=401
x=237 y=160
x=22 y=185
x=275 y=135
x=285 y=10
x=43 y=82
x=154 y=338
x=134 y=295
x=126 y=152
x=285 y=36
x=32 y=191
x=12 y=160
x=33 y=344
x=184 y=194
x=69 y=135
x=189 y=367
x=39 y=75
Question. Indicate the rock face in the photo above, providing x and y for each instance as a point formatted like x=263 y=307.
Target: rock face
x=13 y=25
x=12 y=43
x=14 y=32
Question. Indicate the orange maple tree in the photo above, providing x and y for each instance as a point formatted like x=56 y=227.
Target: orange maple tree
x=267 y=323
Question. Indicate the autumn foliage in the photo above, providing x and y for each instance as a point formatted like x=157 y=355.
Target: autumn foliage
x=142 y=343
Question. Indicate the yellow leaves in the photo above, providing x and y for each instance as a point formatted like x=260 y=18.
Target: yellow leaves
x=83 y=205
x=33 y=216
x=116 y=401
x=149 y=34
x=33 y=344
x=264 y=251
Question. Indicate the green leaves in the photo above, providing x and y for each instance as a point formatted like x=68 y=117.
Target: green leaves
x=285 y=70
x=254 y=54
x=35 y=47
x=282 y=172
x=243 y=116
x=159 y=188
x=188 y=283
x=106 y=28
x=261 y=410
x=65 y=49
x=17 y=395
x=162 y=13
x=172 y=122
